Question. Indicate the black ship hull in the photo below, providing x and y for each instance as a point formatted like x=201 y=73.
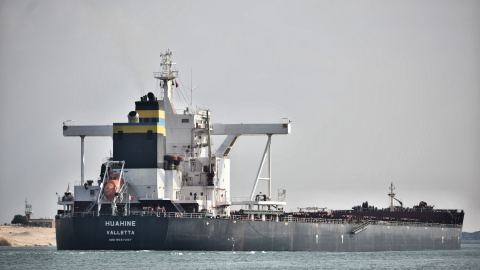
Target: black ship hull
x=153 y=232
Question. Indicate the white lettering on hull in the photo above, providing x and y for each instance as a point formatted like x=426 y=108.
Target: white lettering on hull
x=122 y=223
x=120 y=239
x=121 y=232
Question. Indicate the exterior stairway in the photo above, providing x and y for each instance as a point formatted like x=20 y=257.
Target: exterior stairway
x=361 y=227
x=178 y=206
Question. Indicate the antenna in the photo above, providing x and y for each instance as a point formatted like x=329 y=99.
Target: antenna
x=28 y=209
x=192 y=88
x=167 y=76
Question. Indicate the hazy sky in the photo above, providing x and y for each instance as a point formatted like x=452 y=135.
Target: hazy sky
x=377 y=92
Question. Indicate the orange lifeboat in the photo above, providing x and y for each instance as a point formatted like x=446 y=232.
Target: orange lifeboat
x=110 y=188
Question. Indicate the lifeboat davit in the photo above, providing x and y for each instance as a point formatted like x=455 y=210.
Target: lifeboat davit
x=113 y=183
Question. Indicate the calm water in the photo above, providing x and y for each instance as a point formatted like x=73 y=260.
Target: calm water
x=468 y=257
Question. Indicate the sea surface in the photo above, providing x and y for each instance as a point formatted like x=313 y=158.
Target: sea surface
x=468 y=257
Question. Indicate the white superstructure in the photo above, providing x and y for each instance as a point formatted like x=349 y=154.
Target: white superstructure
x=182 y=170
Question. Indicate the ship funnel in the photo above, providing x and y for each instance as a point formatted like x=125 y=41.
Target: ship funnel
x=133 y=117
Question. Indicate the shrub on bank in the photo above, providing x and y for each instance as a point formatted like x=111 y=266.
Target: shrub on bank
x=4 y=242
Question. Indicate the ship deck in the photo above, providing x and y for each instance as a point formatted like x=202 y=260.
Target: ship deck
x=286 y=219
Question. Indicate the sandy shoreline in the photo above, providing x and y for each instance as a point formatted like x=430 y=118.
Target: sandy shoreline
x=28 y=236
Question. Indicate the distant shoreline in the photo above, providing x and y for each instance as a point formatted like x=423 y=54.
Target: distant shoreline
x=470 y=241
x=19 y=236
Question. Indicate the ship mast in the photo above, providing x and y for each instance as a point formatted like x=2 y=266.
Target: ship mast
x=167 y=76
x=392 y=196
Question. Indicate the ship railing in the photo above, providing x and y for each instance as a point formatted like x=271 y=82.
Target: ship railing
x=78 y=214
x=281 y=219
x=413 y=224
x=65 y=199
x=188 y=215
x=169 y=214
x=193 y=197
x=371 y=222
x=239 y=199
x=313 y=220
x=405 y=209
x=247 y=199
x=145 y=213
x=146 y=196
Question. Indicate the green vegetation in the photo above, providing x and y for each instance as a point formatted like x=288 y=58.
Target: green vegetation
x=19 y=219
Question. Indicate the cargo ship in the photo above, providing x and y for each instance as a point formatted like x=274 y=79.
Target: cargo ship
x=165 y=188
